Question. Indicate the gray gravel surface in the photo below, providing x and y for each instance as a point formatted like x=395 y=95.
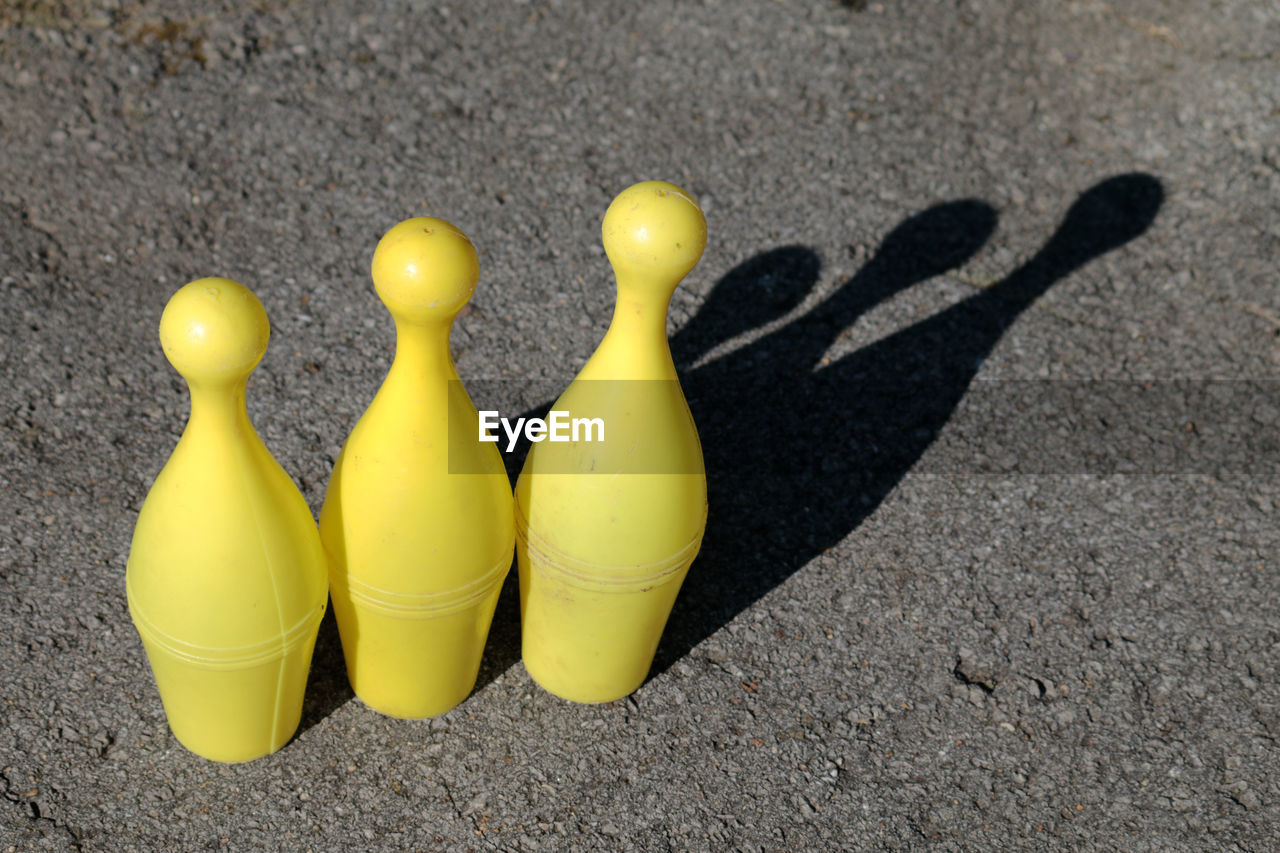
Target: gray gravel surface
x=992 y=558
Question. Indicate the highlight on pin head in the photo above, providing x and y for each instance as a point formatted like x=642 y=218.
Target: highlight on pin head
x=425 y=269
x=214 y=329
x=654 y=227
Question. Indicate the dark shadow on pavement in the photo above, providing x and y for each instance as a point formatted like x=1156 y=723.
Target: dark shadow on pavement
x=798 y=453
x=327 y=685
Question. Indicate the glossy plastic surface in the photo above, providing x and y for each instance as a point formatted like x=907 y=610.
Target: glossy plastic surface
x=602 y=553
x=226 y=576
x=417 y=553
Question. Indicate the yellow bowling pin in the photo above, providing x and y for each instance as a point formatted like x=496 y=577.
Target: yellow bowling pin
x=226 y=575
x=607 y=529
x=417 y=520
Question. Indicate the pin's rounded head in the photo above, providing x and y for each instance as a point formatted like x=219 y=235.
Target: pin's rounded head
x=425 y=269
x=214 y=329
x=654 y=228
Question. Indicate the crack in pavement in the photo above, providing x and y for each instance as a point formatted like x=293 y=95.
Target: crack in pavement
x=29 y=804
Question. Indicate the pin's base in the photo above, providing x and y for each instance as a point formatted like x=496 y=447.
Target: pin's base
x=590 y=643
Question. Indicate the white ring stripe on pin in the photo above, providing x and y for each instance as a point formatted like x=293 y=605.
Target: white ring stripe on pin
x=422 y=605
x=224 y=657
x=553 y=562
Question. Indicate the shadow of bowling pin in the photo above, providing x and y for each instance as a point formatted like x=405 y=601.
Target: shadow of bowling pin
x=798 y=454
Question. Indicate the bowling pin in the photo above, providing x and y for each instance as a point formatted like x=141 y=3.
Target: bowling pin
x=226 y=575
x=417 y=521
x=607 y=529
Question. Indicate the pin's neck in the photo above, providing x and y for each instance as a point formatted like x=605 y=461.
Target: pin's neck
x=635 y=346
x=423 y=348
x=218 y=405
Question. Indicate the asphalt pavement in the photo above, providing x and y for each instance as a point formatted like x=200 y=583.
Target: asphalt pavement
x=982 y=350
